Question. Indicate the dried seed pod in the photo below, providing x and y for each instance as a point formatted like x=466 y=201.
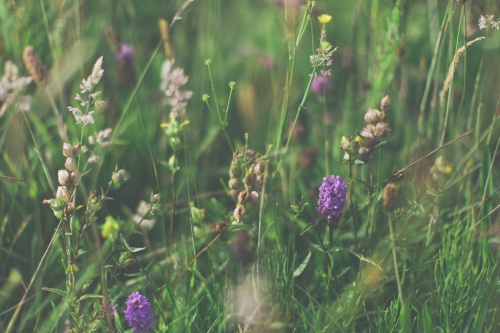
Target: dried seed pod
x=243 y=197
x=239 y=212
x=390 y=197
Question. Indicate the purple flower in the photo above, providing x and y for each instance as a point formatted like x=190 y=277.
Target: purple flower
x=125 y=54
x=321 y=84
x=331 y=202
x=138 y=313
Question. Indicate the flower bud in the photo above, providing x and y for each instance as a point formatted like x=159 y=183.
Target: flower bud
x=57 y=204
x=74 y=177
x=70 y=164
x=234 y=194
x=254 y=198
x=259 y=168
x=95 y=203
x=76 y=149
x=373 y=116
x=385 y=103
x=155 y=197
x=234 y=183
x=250 y=180
x=239 y=212
x=119 y=178
x=67 y=150
x=382 y=130
x=258 y=182
x=243 y=197
x=62 y=192
x=63 y=177
x=69 y=209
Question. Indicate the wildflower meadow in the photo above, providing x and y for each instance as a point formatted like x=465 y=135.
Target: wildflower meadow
x=249 y=166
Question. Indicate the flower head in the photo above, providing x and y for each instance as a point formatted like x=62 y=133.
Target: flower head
x=488 y=22
x=125 y=54
x=332 y=197
x=138 y=313
x=321 y=84
x=324 y=18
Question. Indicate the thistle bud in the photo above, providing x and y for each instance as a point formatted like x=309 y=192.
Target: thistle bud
x=63 y=177
x=390 y=197
x=385 y=103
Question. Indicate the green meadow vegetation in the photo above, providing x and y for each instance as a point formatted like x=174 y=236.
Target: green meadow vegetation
x=249 y=166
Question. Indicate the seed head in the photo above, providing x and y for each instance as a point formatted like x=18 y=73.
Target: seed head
x=35 y=66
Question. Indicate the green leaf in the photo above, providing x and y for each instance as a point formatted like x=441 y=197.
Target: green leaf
x=128 y=247
x=307 y=227
x=302 y=266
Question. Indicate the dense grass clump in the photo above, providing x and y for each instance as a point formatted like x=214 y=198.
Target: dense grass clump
x=249 y=166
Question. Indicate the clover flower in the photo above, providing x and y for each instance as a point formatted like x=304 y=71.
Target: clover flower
x=321 y=84
x=138 y=313
x=332 y=198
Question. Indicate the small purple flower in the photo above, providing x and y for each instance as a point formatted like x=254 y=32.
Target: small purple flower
x=138 y=313
x=332 y=197
x=321 y=84
x=125 y=54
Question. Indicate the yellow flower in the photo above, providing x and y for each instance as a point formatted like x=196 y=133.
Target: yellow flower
x=324 y=18
x=110 y=228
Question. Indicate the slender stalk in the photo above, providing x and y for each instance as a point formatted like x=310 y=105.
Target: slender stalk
x=395 y=260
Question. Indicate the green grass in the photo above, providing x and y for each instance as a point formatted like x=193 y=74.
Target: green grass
x=429 y=265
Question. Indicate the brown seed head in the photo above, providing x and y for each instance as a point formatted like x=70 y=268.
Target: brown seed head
x=390 y=197
x=35 y=66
